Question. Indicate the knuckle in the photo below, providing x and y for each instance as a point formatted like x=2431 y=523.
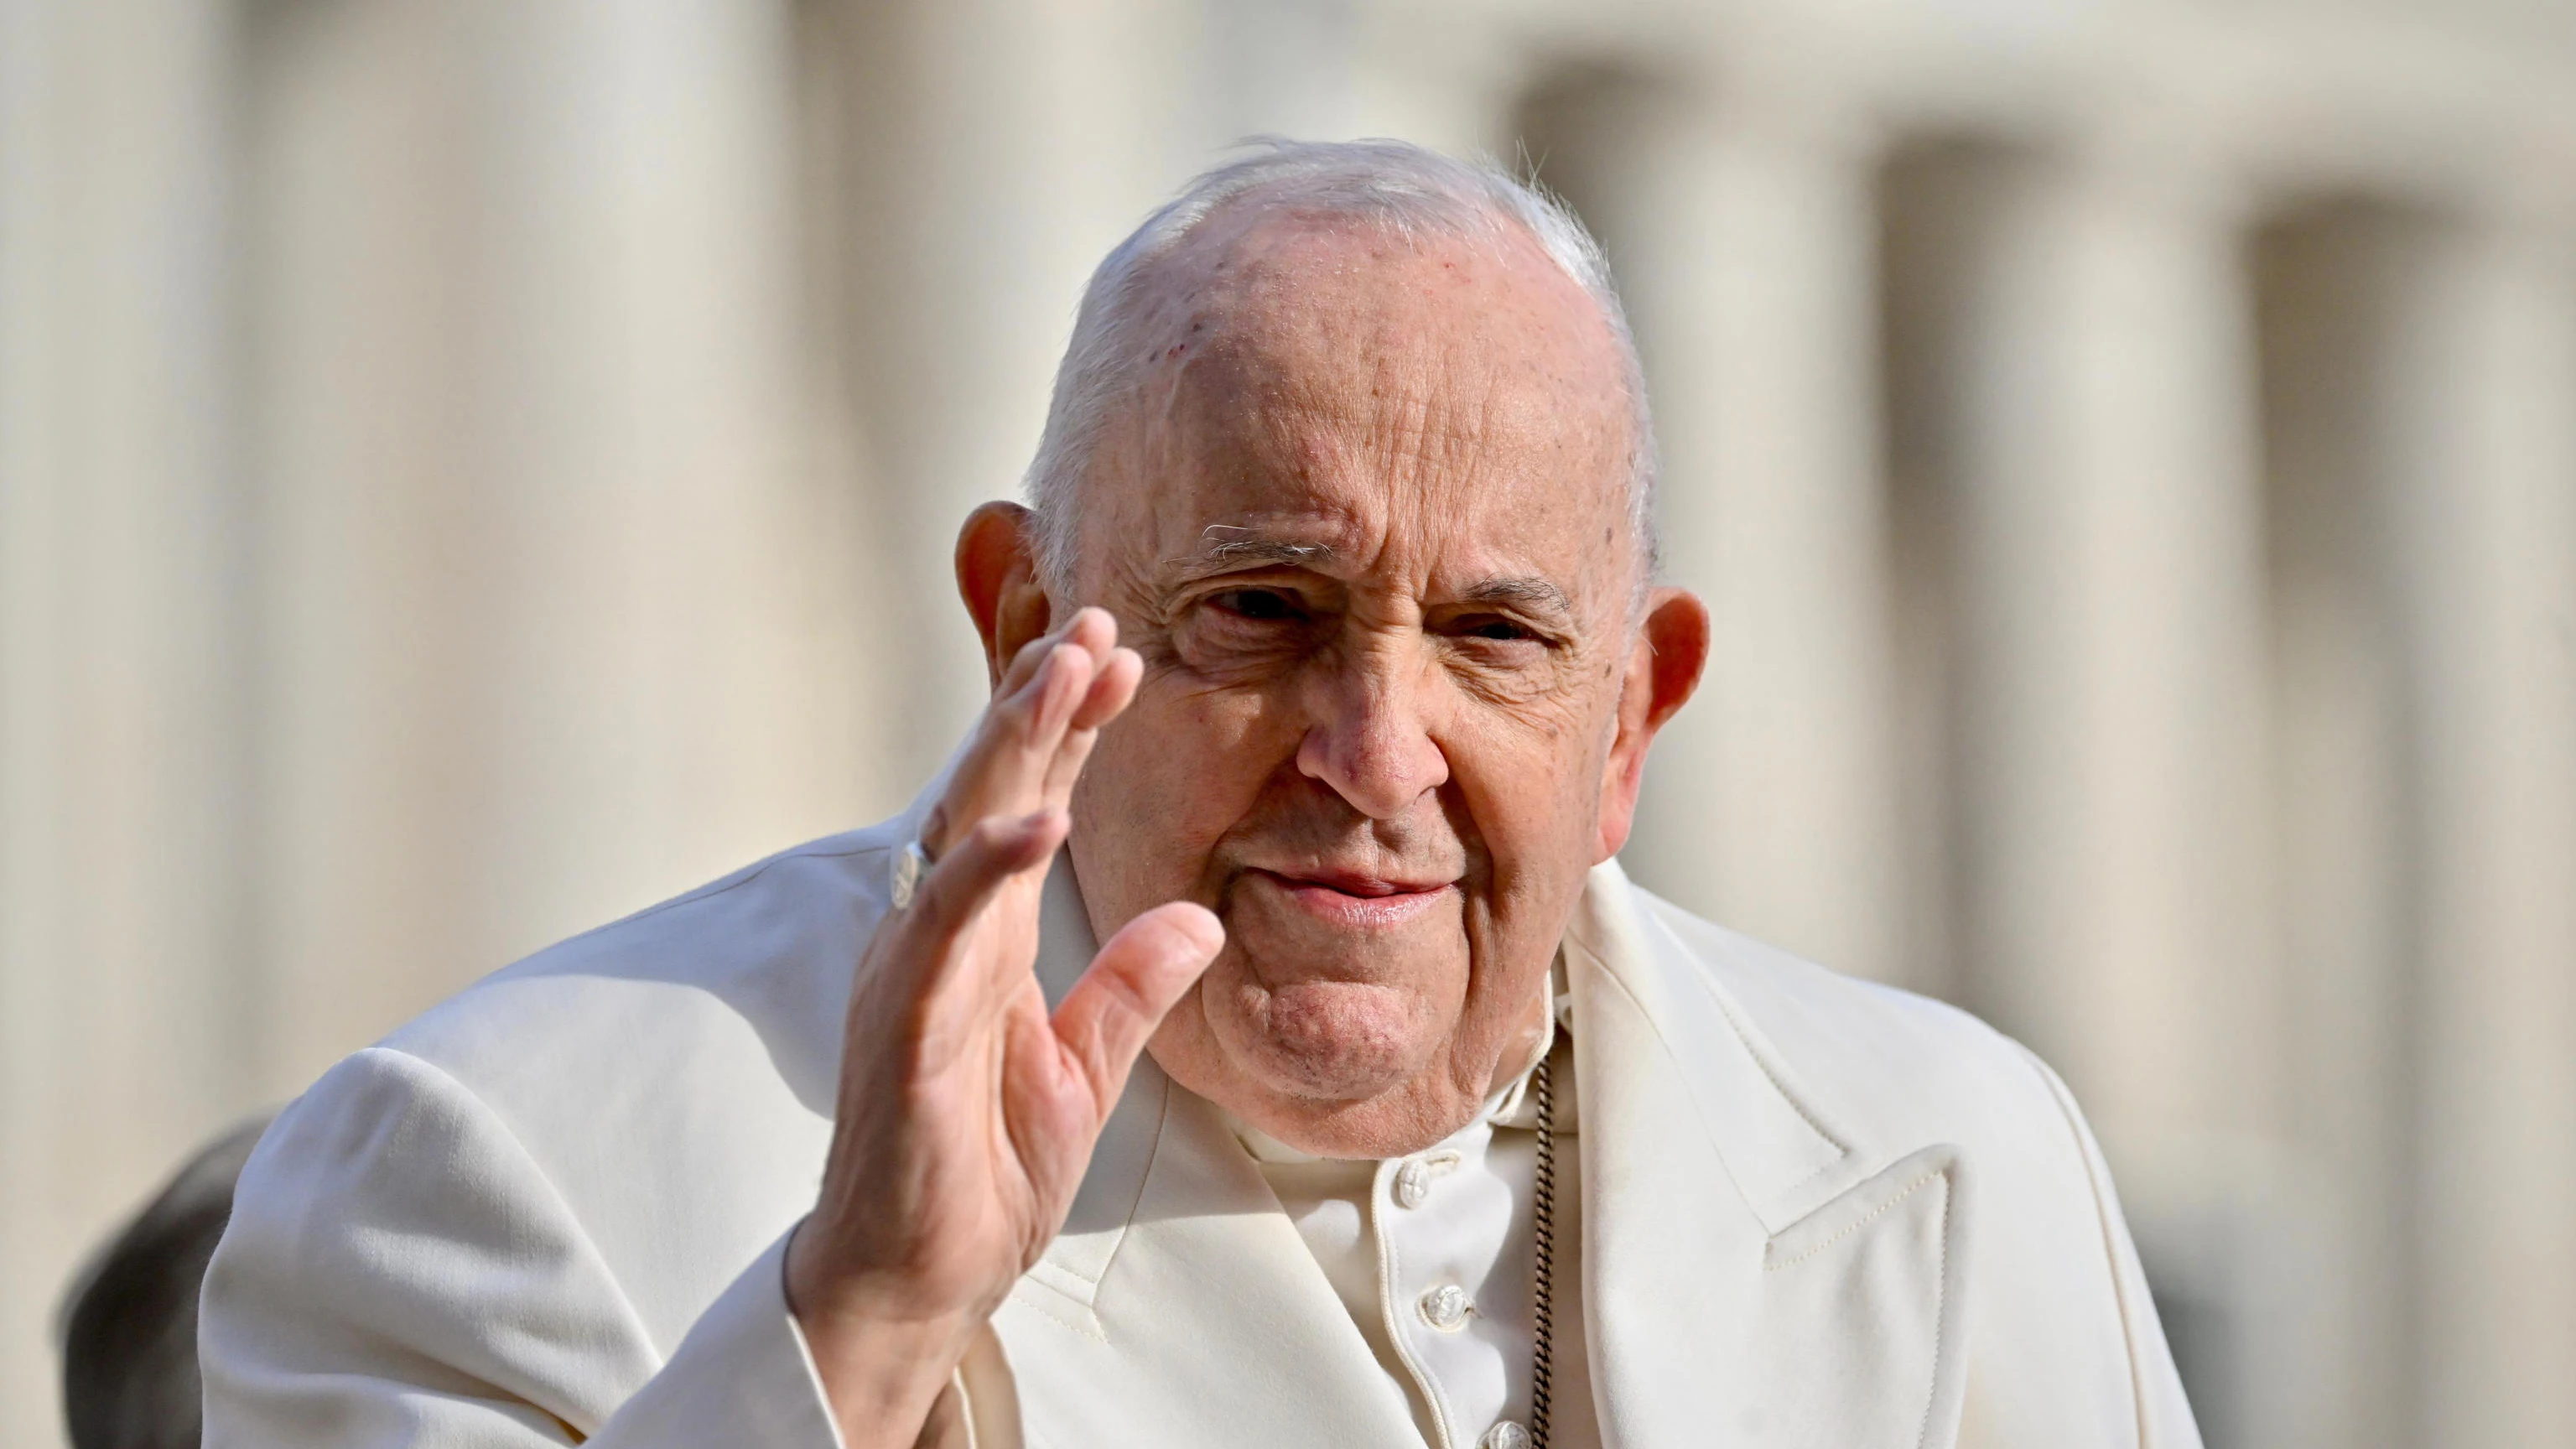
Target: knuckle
x=951 y=884
x=1121 y=990
x=1010 y=714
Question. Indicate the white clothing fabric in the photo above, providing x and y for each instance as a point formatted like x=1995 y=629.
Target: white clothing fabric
x=1390 y=1234
x=1814 y=1212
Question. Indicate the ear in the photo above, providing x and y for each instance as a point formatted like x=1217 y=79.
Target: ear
x=997 y=576
x=1663 y=669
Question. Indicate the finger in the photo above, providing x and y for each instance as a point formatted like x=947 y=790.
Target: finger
x=1069 y=686
x=1009 y=766
x=1059 y=682
x=1004 y=770
x=987 y=856
x=1052 y=683
x=1092 y=627
x=1110 y=695
x=1136 y=979
x=964 y=883
x=1113 y=685
x=1032 y=654
x=1033 y=730
x=1113 y=688
x=1067 y=765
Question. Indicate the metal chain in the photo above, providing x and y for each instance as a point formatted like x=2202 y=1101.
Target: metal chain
x=1542 y=1259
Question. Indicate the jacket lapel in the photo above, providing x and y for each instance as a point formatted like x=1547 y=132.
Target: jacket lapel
x=1179 y=1307
x=1755 y=1273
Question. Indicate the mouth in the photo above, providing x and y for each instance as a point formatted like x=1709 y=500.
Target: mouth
x=1354 y=901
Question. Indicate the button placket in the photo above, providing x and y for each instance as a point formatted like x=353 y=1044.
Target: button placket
x=1402 y=1327
x=1433 y=1219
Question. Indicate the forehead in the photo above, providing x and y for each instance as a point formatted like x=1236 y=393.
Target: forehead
x=1413 y=402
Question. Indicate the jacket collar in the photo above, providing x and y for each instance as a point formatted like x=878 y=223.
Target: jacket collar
x=1784 y=1151
x=1756 y=1268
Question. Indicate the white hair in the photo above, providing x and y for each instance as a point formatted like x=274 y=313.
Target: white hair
x=1402 y=188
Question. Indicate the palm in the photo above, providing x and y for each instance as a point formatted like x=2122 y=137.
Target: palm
x=1005 y=1121
x=968 y=1111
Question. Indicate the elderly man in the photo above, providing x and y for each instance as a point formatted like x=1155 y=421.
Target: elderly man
x=1324 y=670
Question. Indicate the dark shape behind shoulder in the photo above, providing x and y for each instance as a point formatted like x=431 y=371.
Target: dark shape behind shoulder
x=128 y=1325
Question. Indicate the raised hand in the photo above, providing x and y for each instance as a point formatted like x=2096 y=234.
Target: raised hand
x=967 y=1111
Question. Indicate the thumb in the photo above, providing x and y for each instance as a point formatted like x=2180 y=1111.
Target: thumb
x=1104 y=1020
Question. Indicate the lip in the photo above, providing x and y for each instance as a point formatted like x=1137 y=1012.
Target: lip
x=1358 y=901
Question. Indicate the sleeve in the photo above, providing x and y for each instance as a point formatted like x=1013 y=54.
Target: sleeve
x=399 y=1272
x=2163 y=1413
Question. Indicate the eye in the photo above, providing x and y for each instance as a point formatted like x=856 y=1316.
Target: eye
x=1258 y=604
x=1491 y=626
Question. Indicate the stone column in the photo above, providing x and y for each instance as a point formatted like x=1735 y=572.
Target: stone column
x=2108 y=615
x=359 y=204
x=557 y=613
x=2425 y=459
x=2328 y=282
x=667 y=674
x=1001 y=150
x=2483 y=514
x=1743 y=239
x=121 y=789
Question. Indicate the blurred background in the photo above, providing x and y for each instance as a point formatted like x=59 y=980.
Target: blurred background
x=470 y=469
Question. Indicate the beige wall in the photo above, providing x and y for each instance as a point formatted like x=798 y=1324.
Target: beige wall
x=468 y=470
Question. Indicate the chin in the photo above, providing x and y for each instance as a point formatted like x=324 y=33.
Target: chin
x=1335 y=1069
x=1332 y=1043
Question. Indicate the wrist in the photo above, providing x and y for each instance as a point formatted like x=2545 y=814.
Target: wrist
x=882 y=1370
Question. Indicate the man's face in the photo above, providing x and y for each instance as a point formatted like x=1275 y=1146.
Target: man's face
x=1366 y=522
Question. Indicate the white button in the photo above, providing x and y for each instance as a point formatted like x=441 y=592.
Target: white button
x=1413 y=1180
x=1505 y=1435
x=1446 y=1307
x=1413 y=1184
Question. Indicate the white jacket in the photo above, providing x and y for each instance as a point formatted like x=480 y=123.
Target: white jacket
x=1817 y=1212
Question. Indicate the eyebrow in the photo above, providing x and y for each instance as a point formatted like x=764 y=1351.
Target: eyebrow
x=1252 y=550
x=1529 y=591
x=1223 y=555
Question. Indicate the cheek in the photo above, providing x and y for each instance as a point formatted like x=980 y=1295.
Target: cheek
x=1165 y=783
x=1532 y=779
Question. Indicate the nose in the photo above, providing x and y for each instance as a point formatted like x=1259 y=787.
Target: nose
x=1370 y=736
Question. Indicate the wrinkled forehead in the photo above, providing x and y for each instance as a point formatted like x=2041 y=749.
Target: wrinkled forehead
x=1431 y=402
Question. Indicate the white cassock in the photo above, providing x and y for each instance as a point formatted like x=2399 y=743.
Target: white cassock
x=1811 y=1212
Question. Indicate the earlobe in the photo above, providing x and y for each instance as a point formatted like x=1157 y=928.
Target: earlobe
x=998 y=580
